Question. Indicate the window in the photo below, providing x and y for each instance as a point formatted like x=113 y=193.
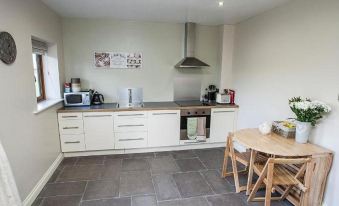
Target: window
x=39 y=49
x=39 y=77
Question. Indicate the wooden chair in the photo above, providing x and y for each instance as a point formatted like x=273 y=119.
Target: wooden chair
x=276 y=173
x=241 y=157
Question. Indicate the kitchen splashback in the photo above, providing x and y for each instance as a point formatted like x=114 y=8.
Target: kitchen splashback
x=187 y=88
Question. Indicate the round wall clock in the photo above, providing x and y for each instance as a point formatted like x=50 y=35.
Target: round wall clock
x=7 y=48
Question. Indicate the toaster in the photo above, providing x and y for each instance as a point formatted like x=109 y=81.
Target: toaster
x=223 y=98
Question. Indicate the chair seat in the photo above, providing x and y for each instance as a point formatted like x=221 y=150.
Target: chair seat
x=281 y=175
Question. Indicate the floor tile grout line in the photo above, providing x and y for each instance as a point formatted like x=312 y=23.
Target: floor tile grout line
x=155 y=192
x=208 y=202
x=83 y=194
x=203 y=164
x=203 y=177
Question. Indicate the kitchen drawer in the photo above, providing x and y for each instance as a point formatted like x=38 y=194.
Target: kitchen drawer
x=72 y=143
x=128 y=115
x=130 y=124
x=100 y=141
x=69 y=116
x=98 y=122
x=71 y=127
x=130 y=140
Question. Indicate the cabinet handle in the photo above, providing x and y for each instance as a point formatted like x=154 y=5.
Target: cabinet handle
x=70 y=128
x=222 y=111
x=107 y=115
x=131 y=125
x=130 y=139
x=74 y=116
x=75 y=142
x=129 y=115
x=164 y=113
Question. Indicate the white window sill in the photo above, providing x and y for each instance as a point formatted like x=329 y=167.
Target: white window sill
x=42 y=106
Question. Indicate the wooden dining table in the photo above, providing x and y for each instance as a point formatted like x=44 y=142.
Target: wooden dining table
x=316 y=172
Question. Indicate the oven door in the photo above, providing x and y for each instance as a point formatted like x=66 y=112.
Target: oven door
x=74 y=99
x=185 y=114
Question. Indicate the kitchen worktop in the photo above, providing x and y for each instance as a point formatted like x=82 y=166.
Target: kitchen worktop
x=112 y=107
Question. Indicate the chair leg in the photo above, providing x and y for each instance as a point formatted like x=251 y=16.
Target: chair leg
x=234 y=167
x=250 y=172
x=258 y=184
x=226 y=155
x=269 y=184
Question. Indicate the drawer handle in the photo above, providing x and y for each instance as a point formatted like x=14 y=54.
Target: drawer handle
x=98 y=115
x=74 y=116
x=70 y=128
x=164 y=113
x=129 y=115
x=222 y=111
x=131 y=125
x=75 y=142
x=130 y=139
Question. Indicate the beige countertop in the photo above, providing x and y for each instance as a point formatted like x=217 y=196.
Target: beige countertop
x=112 y=107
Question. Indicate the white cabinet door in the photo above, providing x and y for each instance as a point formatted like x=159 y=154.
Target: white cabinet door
x=222 y=122
x=163 y=128
x=98 y=127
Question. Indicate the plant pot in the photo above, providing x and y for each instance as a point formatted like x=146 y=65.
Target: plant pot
x=303 y=131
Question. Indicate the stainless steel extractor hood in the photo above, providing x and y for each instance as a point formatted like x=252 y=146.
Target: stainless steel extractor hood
x=189 y=61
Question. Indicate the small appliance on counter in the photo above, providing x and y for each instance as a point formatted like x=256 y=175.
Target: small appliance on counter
x=227 y=97
x=210 y=93
x=82 y=98
x=130 y=97
x=67 y=87
x=97 y=98
x=76 y=85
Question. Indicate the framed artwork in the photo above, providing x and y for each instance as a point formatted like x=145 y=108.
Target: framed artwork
x=118 y=60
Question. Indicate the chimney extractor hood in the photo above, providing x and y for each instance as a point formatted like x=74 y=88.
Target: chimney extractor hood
x=189 y=61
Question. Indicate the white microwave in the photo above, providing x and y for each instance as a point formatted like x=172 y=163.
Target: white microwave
x=78 y=98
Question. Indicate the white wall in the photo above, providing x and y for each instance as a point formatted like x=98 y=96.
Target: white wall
x=290 y=51
x=227 y=57
x=160 y=43
x=31 y=141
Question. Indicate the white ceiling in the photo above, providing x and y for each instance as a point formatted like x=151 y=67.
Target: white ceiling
x=179 y=11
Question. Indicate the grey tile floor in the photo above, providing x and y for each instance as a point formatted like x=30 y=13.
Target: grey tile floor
x=177 y=178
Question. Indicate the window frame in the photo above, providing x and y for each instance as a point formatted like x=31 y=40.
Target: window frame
x=40 y=68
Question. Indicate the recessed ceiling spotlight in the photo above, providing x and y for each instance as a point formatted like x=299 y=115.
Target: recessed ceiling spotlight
x=221 y=3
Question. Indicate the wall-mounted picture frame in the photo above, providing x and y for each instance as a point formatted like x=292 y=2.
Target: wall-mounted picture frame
x=118 y=60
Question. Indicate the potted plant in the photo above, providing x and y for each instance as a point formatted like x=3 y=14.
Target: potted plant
x=308 y=113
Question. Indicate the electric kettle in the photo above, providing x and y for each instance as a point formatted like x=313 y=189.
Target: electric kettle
x=98 y=98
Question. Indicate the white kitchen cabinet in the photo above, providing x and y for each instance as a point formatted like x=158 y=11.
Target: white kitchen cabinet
x=72 y=142
x=71 y=126
x=71 y=131
x=130 y=129
x=129 y=140
x=98 y=129
x=163 y=128
x=222 y=122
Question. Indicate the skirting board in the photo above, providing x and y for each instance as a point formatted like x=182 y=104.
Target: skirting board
x=142 y=150
x=43 y=181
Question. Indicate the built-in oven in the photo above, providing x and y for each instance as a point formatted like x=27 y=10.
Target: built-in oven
x=185 y=114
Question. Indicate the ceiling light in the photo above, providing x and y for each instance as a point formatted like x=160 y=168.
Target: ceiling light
x=221 y=3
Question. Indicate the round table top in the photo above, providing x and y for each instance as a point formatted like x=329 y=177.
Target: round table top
x=275 y=144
